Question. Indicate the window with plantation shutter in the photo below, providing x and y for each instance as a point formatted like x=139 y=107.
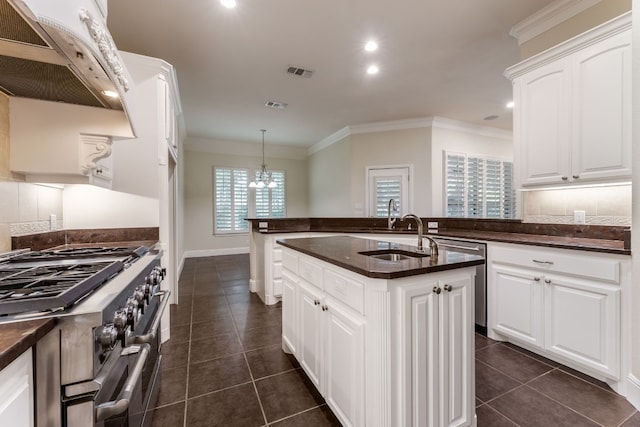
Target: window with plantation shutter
x=478 y=187
x=231 y=200
x=270 y=202
x=386 y=184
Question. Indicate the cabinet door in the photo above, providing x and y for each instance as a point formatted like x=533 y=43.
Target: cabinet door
x=344 y=363
x=310 y=332
x=289 y=312
x=419 y=366
x=16 y=392
x=583 y=322
x=457 y=395
x=601 y=106
x=518 y=303
x=542 y=131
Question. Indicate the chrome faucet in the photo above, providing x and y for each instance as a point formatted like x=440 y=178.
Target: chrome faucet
x=392 y=206
x=433 y=246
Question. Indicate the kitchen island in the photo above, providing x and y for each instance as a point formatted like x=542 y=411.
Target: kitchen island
x=388 y=340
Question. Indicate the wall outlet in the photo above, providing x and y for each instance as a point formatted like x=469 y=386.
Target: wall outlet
x=53 y=222
x=579 y=217
x=432 y=224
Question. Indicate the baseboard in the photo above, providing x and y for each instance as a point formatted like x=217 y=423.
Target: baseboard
x=215 y=252
x=633 y=391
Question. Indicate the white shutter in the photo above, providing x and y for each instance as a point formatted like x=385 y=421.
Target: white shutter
x=385 y=184
x=478 y=187
x=231 y=203
x=387 y=188
x=270 y=202
x=455 y=185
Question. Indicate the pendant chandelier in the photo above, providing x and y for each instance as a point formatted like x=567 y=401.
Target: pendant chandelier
x=264 y=177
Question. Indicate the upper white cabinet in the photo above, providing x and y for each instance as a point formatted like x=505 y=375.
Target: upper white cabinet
x=572 y=116
x=141 y=166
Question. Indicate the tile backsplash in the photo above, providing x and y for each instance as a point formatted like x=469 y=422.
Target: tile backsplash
x=610 y=205
x=26 y=208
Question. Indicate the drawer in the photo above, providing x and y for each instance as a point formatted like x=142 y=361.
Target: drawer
x=596 y=267
x=290 y=261
x=346 y=290
x=310 y=272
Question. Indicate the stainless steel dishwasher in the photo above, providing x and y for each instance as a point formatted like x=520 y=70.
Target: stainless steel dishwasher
x=476 y=248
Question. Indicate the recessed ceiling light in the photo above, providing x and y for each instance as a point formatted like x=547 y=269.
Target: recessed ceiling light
x=110 y=94
x=510 y=104
x=230 y=4
x=373 y=69
x=371 y=46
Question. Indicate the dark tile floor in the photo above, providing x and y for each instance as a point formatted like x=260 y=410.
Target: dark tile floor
x=224 y=366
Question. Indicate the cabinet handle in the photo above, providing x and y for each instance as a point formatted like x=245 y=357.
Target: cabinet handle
x=437 y=290
x=537 y=279
x=99 y=171
x=547 y=281
x=537 y=261
x=448 y=288
x=564 y=178
x=316 y=302
x=325 y=308
x=576 y=176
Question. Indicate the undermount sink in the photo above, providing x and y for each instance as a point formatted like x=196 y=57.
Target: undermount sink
x=393 y=254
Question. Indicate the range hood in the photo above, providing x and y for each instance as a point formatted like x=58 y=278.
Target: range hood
x=62 y=52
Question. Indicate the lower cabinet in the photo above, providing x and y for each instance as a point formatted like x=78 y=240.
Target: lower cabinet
x=564 y=305
x=383 y=352
x=16 y=392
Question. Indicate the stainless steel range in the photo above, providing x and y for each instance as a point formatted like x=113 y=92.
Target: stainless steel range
x=99 y=365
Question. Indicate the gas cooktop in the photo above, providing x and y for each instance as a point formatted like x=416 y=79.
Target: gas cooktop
x=50 y=280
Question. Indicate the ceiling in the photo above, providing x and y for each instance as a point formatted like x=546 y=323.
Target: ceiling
x=436 y=58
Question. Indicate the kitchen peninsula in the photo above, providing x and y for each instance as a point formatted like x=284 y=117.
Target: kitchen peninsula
x=383 y=332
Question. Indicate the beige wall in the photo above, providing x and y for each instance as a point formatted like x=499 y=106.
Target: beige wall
x=199 y=239
x=330 y=181
x=598 y=14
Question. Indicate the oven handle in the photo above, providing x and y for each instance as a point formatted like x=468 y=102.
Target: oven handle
x=149 y=337
x=109 y=409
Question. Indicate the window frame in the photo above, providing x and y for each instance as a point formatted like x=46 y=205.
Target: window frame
x=389 y=170
x=233 y=231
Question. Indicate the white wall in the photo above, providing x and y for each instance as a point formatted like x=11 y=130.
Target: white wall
x=457 y=137
x=200 y=156
x=87 y=206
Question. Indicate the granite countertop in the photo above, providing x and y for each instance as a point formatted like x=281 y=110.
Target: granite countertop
x=17 y=337
x=577 y=243
x=343 y=251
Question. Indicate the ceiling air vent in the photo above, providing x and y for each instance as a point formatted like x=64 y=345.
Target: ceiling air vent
x=276 y=105
x=300 y=72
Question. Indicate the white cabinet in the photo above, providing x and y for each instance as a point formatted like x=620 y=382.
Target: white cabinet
x=563 y=304
x=327 y=338
x=16 y=392
x=572 y=117
x=439 y=363
x=383 y=352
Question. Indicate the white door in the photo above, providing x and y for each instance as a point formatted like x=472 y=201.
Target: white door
x=344 y=363
x=457 y=395
x=289 y=312
x=582 y=322
x=385 y=184
x=517 y=301
x=602 y=110
x=310 y=332
x=542 y=100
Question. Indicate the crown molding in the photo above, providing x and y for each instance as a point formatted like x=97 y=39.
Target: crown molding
x=416 y=123
x=605 y=30
x=549 y=17
x=329 y=140
x=450 y=124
